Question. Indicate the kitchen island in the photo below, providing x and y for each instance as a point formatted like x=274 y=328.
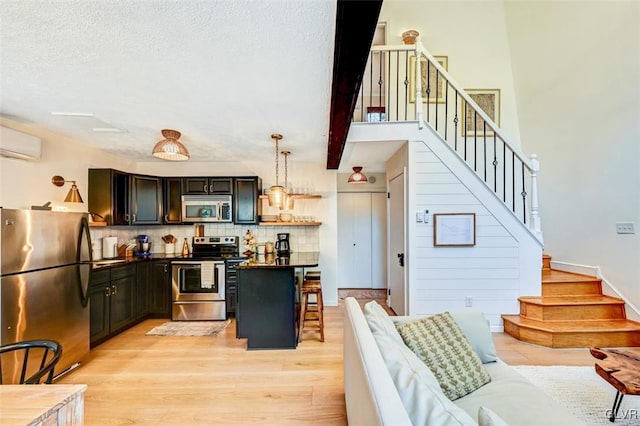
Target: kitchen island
x=267 y=293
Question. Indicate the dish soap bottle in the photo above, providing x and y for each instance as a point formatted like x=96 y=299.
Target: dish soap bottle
x=185 y=248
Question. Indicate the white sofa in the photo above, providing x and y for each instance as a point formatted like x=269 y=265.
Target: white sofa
x=373 y=398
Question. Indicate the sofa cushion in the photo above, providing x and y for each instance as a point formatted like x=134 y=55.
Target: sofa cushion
x=486 y=417
x=380 y=322
x=418 y=388
x=439 y=342
x=475 y=328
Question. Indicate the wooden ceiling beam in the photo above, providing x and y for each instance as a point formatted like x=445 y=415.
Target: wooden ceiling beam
x=356 y=23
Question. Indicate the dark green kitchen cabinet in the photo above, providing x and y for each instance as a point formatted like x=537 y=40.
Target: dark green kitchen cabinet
x=207 y=185
x=109 y=195
x=160 y=301
x=246 y=191
x=146 y=200
x=143 y=289
x=172 y=197
x=111 y=301
x=125 y=199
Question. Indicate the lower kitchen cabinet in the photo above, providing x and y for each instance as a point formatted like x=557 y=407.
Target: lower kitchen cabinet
x=160 y=290
x=111 y=301
x=142 y=292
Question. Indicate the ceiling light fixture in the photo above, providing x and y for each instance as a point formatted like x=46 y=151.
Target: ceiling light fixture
x=287 y=202
x=170 y=148
x=73 y=196
x=276 y=192
x=357 y=176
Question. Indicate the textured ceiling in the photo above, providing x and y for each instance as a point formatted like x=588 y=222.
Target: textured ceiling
x=225 y=73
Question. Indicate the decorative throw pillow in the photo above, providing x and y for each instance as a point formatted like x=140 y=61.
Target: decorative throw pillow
x=379 y=321
x=418 y=388
x=475 y=328
x=439 y=343
x=487 y=417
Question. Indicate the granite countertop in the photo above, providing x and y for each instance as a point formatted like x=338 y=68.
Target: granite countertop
x=294 y=260
x=121 y=261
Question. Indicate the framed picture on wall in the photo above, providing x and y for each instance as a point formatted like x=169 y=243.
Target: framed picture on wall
x=454 y=229
x=435 y=80
x=489 y=101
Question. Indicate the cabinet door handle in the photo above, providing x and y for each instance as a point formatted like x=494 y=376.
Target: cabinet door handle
x=114 y=290
x=205 y=188
x=126 y=217
x=211 y=189
x=166 y=218
x=107 y=292
x=134 y=217
x=165 y=268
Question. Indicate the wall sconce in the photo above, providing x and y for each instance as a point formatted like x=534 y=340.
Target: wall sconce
x=74 y=194
x=357 y=176
x=170 y=148
x=410 y=36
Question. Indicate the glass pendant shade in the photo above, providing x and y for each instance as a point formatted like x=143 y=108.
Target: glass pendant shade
x=276 y=195
x=287 y=200
x=170 y=148
x=357 y=176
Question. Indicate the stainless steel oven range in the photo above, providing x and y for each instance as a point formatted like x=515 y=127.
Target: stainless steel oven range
x=198 y=285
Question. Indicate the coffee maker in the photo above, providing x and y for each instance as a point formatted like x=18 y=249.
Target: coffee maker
x=144 y=246
x=282 y=244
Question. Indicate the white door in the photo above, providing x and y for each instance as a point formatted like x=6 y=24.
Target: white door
x=379 y=240
x=397 y=289
x=354 y=240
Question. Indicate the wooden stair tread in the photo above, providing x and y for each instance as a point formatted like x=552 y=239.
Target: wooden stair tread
x=555 y=276
x=571 y=300
x=572 y=326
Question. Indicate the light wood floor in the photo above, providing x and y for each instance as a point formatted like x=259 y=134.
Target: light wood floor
x=154 y=380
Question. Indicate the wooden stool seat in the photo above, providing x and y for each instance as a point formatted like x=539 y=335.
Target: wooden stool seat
x=311 y=314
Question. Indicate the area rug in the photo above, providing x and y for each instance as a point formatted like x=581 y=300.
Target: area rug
x=583 y=393
x=189 y=328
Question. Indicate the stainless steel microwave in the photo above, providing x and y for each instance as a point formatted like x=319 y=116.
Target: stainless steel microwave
x=206 y=208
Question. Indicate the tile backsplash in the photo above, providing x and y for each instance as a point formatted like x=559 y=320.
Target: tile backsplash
x=301 y=238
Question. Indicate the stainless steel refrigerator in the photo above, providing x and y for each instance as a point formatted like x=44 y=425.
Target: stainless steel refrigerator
x=45 y=262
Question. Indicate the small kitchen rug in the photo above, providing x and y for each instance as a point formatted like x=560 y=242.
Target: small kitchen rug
x=189 y=328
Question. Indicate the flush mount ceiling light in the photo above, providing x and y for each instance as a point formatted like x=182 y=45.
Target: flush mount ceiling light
x=357 y=176
x=170 y=148
x=276 y=192
x=73 y=196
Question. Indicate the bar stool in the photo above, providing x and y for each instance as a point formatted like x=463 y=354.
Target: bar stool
x=311 y=312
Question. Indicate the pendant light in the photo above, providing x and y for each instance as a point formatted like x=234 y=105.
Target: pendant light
x=276 y=192
x=287 y=202
x=357 y=176
x=73 y=196
x=170 y=148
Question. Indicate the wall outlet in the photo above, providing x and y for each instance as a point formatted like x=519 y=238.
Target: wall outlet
x=625 y=228
x=468 y=302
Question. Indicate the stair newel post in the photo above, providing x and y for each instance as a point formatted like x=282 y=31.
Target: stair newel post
x=535 y=208
x=418 y=81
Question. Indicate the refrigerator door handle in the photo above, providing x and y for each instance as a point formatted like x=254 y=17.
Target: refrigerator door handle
x=83 y=278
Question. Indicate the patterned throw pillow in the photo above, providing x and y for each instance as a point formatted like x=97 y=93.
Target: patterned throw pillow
x=439 y=343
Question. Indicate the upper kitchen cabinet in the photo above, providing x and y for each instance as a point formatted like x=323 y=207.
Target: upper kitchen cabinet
x=172 y=197
x=206 y=185
x=125 y=199
x=245 y=200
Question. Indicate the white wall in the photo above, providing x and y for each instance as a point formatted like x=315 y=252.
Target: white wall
x=27 y=183
x=576 y=68
x=472 y=34
x=504 y=264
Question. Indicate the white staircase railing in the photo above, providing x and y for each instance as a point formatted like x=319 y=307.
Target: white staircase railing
x=392 y=91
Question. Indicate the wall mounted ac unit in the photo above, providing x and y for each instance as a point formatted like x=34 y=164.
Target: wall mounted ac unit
x=14 y=144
